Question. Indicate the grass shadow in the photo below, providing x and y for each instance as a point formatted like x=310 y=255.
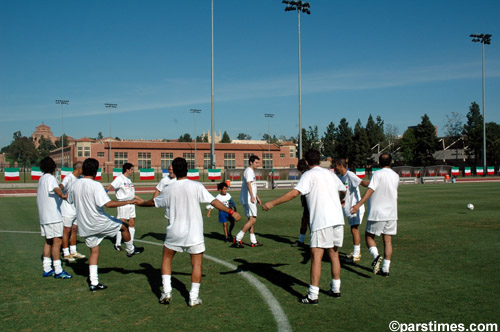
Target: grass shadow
x=277 y=238
x=157 y=236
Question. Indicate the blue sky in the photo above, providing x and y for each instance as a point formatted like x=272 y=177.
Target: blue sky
x=396 y=59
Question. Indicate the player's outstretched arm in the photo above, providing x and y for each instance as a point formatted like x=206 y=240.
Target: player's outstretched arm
x=218 y=205
x=143 y=203
x=365 y=183
x=366 y=196
x=280 y=200
x=59 y=193
x=115 y=204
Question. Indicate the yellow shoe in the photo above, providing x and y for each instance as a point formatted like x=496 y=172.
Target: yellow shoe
x=77 y=255
x=353 y=259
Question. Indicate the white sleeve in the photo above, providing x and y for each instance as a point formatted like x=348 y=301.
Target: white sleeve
x=204 y=196
x=160 y=200
x=101 y=198
x=53 y=184
x=355 y=180
x=304 y=187
x=116 y=183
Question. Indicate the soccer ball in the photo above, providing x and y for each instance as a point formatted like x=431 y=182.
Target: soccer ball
x=470 y=206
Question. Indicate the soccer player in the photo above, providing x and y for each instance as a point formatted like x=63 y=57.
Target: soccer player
x=124 y=191
x=302 y=167
x=352 y=197
x=249 y=199
x=69 y=216
x=323 y=191
x=170 y=178
x=225 y=198
x=383 y=212
x=48 y=198
x=181 y=200
x=90 y=198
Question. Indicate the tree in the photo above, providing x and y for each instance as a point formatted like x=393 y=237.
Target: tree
x=273 y=139
x=492 y=143
x=329 y=141
x=391 y=137
x=58 y=142
x=185 y=138
x=44 y=148
x=375 y=131
x=99 y=135
x=343 y=140
x=243 y=137
x=22 y=149
x=426 y=142
x=361 y=152
x=408 y=147
x=225 y=138
x=310 y=139
x=473 y=130
x=454 y=125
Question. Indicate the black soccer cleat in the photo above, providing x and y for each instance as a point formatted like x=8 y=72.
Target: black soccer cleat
x=333 y=294
x=307 y=300
x=376 y=264
x=137 y=251
x=97 y=287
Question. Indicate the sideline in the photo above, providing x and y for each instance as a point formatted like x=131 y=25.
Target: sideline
x=279 y=315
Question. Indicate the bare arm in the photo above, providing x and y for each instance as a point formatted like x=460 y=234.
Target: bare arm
x=115 y=204
x=282 y=199
x=366 y=196
x=218 y=205
x=365 y=183
x=110 y=187
x=157 y=192
x=59 y=193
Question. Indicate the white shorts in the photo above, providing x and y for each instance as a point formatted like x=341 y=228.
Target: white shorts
x=53 y=230
x=250 y=210
x=69 y=221
x=389 y=227
x=196 y=249
x=126 y=212
x=328 y=237
x=110 y=230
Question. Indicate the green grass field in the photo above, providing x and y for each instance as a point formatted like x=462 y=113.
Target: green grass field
x=444 y=269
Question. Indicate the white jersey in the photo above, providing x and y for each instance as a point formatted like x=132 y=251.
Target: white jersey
x=89 y=198
x=383 y=203
x=67 y=209
x=49 y=204
x=224 y=199
x=321 y=189
x=248 y=177
x=165 y=182
x=352 y=195
x=124 y=188
x=181 y=200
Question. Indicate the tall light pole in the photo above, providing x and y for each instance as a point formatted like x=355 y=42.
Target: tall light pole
x=62 y=102
x=110 y=106
x=212 y=145
x=299 y=6
x=483 y=39
x=195 y=111
x=269 y=116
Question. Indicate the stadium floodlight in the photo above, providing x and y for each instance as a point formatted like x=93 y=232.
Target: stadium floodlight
x=269 y=116
x=299 y=6
x=195 y=111
x=110 y=106
x=62 y=102
x=484 y=39
x=212 y=130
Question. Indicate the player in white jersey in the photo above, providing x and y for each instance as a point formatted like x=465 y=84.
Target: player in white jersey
x=90 y=198
x=323 y=191
x=68 y=212
x=383 y=212
x=49 y=198
x=352 y=197
x=249 y=199
x=182 y=201
x=124 y=191
x=169 y=179
x=225 y=198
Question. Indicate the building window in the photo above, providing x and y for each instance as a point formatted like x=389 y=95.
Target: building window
x=292 y=152
x=166 y=159
x=206 y=161
x=246 y=156
x=229 y=160
x=100 y=154
x=267 y=160
x=282 y=155
x=120 y=159
x=189 y=156
x=86 y=151
x=80 y=151
x=144 y=160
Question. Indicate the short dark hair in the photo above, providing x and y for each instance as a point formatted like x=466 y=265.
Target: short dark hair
x=313 y=157
x=48 y=165
x=341 y=161
x=180 y=167
x=252 y=159
x=221 y=185
x=90 y=167
x=126 y=167
x=302 y=165
x=385 y=160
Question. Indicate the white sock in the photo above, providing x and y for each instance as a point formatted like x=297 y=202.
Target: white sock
x=166 y=280
x=195 y=290
x=240 y=235
x=253 y=239
x=385 y=265
x=57 y=266
x=373 y=251
x=72 y=249
x=118 y=238
x=132 y=233
x=66 y=251
x=302 y=238
x=357 y=250
x=313 y=292
x=93 y=276
x=129 y=247
x=47 y=264
x=335 y=285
